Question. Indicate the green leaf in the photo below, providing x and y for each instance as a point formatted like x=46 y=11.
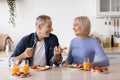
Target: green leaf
x=12 y=11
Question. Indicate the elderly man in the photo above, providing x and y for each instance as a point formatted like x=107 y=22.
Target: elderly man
x=39 y=48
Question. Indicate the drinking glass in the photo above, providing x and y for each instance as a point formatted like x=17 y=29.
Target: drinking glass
x=86 y=64
x=26 y=66
x=15 y=67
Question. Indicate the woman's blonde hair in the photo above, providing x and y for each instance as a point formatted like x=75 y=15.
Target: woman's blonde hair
x=84 y=24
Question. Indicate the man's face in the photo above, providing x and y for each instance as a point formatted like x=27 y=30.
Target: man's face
x=45 y=29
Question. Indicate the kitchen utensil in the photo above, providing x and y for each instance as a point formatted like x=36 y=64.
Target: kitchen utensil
x=34 y=45
x=117 y=27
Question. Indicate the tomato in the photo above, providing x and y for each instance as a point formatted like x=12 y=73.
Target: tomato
x=34 y=67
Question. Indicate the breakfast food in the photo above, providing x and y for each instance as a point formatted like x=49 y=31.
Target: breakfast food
x=33 y=67
x=38 y=67
x=41 y=67
x=92 y=68
x=99 y=69
x=21 y=74
x=104 y=69
x=76 y=66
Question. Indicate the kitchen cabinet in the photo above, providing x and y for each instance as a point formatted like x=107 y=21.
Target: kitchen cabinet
x=114 y=58
x=4 y=62
x=108 y=8
x=4 y=59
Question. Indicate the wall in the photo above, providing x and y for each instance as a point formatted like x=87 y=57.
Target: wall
x=62 y=12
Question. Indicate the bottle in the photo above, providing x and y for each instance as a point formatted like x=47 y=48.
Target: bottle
x=112 y=41
x=108 y=42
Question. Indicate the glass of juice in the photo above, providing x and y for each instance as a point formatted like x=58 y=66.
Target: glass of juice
x=26 y=66
x=86 y=64
x=15 y=69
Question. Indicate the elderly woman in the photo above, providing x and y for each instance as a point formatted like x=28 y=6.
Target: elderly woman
x=84 y=45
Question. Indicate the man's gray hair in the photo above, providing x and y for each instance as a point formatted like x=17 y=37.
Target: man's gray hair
x=41 y=19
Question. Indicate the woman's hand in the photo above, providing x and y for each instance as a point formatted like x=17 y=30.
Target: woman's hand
x=64 y=64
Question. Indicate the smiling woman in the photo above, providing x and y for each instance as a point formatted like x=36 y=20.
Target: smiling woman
x=84 y=46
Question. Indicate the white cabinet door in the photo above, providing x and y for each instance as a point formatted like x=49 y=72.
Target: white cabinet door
x=108 y=8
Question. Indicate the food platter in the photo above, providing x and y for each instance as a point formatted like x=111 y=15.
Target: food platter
x=99 y=69
x=21 y=74
x=93 y=68
x=76 y=67
x=40 y=67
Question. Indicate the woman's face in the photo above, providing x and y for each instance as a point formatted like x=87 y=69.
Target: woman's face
x=76 y=27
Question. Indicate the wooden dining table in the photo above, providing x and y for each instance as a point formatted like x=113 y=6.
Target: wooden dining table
x=59 y=73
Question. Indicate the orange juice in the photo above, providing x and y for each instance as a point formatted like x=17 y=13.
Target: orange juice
x=86 y=65
x=25 y=68
x=15 y=69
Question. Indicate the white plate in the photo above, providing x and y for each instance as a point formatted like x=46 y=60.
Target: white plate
x=44 y=68
x=74 y=68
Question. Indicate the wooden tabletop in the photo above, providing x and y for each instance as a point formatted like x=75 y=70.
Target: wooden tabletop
x=57 y=73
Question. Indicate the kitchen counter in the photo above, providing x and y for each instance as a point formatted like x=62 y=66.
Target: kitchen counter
x=112 y=50
x=65 y=74
x=5 y=54
x=106 y=50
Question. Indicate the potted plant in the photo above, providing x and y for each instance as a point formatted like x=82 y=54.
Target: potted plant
x=12 y=11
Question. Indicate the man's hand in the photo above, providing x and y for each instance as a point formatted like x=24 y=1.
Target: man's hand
x=57 y=51
x=28 y=52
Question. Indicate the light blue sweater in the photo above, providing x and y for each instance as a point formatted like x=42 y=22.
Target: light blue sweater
x=87 y=47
